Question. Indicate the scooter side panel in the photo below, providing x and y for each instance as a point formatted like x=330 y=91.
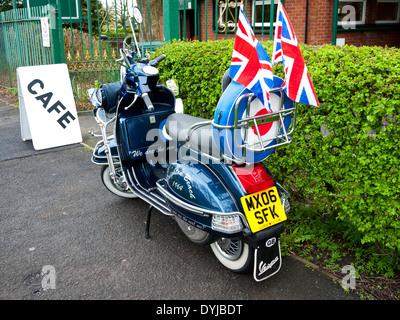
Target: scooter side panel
x=196 y=184
x=137 y=128
x=132 y=128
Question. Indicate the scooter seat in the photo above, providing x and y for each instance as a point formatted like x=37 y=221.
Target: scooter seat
x=200 y=139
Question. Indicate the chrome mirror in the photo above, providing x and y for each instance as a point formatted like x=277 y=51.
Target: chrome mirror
x=136 y=14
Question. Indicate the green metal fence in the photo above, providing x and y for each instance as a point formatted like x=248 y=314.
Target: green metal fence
x=88 y=44
x=217 y=19
x=87 y=34
x=21 y=42
x=92 y=44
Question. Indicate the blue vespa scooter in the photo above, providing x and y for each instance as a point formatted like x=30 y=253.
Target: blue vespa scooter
x=208 y=175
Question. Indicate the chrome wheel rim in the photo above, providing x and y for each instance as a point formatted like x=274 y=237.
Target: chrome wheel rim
x=230 y=249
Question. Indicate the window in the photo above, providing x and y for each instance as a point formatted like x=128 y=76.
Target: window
x=260 y=6
x=388 y=11
x=351 y=13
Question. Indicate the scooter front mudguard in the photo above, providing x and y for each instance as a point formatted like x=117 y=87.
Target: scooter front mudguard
x=99 y=155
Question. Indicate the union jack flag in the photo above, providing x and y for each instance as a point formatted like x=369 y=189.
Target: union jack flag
x=251 y=65
x=297 y=85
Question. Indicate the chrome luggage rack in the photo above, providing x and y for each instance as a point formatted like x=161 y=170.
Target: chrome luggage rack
x=262 y=144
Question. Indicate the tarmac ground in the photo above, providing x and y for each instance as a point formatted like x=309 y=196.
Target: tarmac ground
x=64 y=236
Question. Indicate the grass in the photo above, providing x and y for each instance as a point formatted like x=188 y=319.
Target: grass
x=9 y=95
x=332 y=244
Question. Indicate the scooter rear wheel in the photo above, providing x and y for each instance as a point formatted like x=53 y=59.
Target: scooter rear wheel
x=197 y=236
x=234 y=254
x=120 y=189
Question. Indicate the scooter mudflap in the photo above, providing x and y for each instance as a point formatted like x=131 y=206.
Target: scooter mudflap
x=267 y=259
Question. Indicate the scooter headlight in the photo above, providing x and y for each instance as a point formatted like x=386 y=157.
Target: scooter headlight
x=227 y=223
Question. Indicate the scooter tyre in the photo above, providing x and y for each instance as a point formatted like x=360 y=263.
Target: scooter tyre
x=110 y=185
x=240 y=261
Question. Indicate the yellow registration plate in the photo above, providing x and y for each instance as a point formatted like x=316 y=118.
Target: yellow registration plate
x=263 y=209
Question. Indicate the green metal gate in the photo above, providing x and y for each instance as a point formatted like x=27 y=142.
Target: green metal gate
x=87 y=34
x=84 y=34
x=21 y=42
x=91 y=50
x=92 y=44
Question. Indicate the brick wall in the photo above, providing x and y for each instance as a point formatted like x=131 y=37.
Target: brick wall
x=390 y=38
x=320 y=14
x=296 y=10
x=374 y=37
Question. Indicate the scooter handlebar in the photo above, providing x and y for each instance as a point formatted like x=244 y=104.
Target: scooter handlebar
x=157 y=60
x=148 y=102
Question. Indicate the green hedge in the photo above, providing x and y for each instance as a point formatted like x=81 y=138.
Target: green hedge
x=350 y=168
x=198 y=68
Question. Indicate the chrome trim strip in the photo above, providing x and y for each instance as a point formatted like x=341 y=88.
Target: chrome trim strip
x=198 y=210
x=144 y=194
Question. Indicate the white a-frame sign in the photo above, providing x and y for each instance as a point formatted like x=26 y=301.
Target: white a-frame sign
x=47 y=107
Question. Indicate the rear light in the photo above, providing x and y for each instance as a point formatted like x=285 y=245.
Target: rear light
x=253 y=178
x=227 y=224
x=284 y=195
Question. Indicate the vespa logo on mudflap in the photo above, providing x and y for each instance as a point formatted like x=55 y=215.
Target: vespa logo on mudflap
x=263 y=266
x=270 y=242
